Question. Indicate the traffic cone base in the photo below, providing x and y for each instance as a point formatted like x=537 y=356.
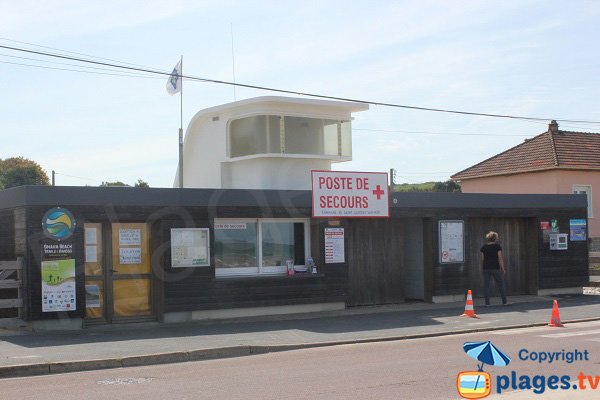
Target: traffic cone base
x=469 y=309
x=555 y=319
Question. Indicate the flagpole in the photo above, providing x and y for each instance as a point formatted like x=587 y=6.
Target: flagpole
x=181 y=129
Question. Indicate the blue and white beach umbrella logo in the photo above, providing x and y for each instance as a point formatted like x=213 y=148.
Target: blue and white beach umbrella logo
x=478 y=384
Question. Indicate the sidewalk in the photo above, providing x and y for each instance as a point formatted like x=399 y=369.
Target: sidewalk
x=25 y=353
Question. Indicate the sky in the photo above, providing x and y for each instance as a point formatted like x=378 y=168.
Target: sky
x=522 y=58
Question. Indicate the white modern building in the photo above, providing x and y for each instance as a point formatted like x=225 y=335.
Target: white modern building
x=266 y=142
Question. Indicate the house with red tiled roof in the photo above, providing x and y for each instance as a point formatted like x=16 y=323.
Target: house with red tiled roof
x=553 y=162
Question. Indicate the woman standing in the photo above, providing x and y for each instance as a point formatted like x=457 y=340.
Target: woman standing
x=492 y=266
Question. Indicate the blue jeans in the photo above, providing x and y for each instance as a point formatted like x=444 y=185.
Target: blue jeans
x=497 y=274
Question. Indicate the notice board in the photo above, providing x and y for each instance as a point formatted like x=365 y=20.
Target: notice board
x=451 y=242
x=190 y=247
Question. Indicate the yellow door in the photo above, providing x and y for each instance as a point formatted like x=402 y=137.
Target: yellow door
x=130 y=275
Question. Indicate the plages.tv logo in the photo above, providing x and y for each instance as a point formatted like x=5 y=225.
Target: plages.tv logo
x=478 y=384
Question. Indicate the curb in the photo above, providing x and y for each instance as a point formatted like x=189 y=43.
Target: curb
x=16 y=371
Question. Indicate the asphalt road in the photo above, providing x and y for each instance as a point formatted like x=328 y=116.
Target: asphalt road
x=410 y=369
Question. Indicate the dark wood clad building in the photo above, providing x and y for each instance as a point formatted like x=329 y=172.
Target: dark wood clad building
x=128 y=248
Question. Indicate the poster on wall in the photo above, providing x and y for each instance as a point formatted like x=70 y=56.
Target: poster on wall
x=58 y=285
x=130 y=237
x=578 y=228
x=546 y=230
x=92 y=296
x=130 y=255
x=190 y=247
x=451 y=242
x=334 y=246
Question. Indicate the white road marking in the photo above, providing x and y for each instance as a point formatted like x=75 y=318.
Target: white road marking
x=570 y=334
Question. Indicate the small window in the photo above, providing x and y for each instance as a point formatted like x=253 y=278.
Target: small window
x=236 y=246
x=587 y=190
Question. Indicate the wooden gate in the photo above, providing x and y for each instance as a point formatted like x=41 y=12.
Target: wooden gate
x=11 y=289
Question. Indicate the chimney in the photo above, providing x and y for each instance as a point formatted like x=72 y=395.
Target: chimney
x=553 y=126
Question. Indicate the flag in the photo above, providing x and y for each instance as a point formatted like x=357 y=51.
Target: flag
x=174 y=82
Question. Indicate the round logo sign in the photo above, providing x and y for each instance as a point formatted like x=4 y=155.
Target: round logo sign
x=58 y=223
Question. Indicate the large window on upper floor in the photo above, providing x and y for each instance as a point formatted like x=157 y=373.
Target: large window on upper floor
x=254 y=135
x=274 y=134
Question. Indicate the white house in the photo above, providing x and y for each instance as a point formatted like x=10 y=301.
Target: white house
x=266 y=142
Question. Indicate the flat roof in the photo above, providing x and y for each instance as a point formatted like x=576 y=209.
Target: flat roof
x=160 y=197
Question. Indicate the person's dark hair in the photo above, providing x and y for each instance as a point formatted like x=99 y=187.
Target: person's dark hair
x=491 y=236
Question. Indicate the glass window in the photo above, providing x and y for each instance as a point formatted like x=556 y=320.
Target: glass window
x=248 y=136
x=587 y=190
x=282 y=241
x=258 y=246
x=346 y=137
x=255 y=135
x=330 y=137
x=304 y=135
x=262 y=134
x=235 y=244
x=273 y=134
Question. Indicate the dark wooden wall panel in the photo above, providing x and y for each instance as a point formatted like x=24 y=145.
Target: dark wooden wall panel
x=563 y=268
x=515 y=242
x=7 y=253
x=374 y=254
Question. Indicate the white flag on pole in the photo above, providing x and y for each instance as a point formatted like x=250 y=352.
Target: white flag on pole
x=174 y=82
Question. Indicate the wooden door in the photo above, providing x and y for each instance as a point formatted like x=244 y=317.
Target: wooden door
x=130 y=276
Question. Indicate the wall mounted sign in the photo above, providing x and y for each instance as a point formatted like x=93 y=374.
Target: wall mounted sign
x=340 y=194
x=239 y=225
x=58 y=224
x=130 y=255
x=92 y=296
x=130 y=237
x=58 y=285
x=578 y=229
x=334 y=246
x=451 y=242
x=190 y=247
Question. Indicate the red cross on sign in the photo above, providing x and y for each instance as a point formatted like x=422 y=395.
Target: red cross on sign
x=378 y=192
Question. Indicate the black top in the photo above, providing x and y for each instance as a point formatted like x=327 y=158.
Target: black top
x=490 y=256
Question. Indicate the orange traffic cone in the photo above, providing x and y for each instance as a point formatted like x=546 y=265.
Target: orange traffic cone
x=555 y=319
x=469 y=310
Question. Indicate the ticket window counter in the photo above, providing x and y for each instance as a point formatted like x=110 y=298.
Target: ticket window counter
x=118 y=278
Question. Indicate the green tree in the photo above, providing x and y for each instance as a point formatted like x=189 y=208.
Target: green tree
x=448 y=186
x=117 y=183
x=141 y=184
x=20 y=171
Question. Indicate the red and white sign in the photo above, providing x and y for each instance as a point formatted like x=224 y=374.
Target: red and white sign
x=340 y=194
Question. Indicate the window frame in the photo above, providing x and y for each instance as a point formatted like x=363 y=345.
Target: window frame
x=587 y=189
x=260 y=269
